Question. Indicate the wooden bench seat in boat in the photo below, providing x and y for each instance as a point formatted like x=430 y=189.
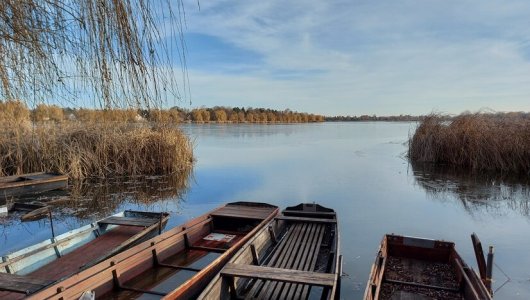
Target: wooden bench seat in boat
x=251 y=212
x=278 y=274
x=306 y=220
x=128 y=221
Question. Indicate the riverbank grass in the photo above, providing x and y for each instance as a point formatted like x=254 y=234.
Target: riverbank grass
x=94 y=150
x=476 y=142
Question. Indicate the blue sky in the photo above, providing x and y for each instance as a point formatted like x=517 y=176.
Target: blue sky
x=360 y=57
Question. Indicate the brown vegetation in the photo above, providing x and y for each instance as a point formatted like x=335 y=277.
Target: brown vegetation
x=90 y=148
x=478 y=142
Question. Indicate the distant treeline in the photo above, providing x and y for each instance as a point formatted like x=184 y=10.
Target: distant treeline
x=442 y=117
x=218 y=114
x=373 y=118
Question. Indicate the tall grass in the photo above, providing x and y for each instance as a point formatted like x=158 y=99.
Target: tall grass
x=477 y=142
x=100 y=147
x=84 y=150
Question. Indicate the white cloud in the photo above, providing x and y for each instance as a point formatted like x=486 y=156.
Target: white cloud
x=356 y=57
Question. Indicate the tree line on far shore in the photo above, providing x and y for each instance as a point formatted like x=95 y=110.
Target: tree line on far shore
x=409 y=118
x=43 y=112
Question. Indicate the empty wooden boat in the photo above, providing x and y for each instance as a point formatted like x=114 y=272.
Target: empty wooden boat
x=18 y=185
x=416 y=268
x=70 y=252
x=32 y=211
x=295 y=257
x=175 y=265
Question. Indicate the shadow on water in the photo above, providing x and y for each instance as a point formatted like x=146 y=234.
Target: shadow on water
x=492 y=194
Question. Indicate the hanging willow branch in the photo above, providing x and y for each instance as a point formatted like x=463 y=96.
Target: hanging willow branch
x=113 y=52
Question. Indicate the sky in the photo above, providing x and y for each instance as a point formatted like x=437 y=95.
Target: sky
x=360 y=57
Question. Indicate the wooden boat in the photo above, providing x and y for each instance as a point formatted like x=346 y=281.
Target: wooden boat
x=68 y=253
x=36 y=214
x=416 y=268
x=177 y=264
x=32 y=211
x=14 y=186
x=295 y=257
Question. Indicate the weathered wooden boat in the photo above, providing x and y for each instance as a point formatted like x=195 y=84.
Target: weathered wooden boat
x=36 y=214
x=416 y=268
x=175 y=265
x=15 y=186
x=32 y=211
x=70 y=252
x=295 y=257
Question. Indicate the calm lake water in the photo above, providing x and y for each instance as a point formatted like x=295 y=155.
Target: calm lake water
x=358 y=169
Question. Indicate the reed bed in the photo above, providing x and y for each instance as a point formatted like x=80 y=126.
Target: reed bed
x=86 y=150
x=477 y=142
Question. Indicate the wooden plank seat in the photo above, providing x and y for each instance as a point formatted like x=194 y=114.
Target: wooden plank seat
x=278 y=274
x=321 y=214
x=21 y=284
x=298 y=251
x=128 y=221
x=242 y=212
x=307 y=220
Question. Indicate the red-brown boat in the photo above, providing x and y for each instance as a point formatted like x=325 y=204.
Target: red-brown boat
x=416 y=268
x=175 y=265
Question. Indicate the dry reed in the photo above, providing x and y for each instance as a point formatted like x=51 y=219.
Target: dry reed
x=84 y=150
x=477 y=142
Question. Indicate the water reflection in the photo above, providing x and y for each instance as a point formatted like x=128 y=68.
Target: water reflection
x=241 y=130
x=85 y=202
x=494 y=194
x=101 y=198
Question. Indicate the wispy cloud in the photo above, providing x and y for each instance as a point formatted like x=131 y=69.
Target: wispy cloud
x=357 y=57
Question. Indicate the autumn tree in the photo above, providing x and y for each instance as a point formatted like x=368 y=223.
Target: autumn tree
x=220 y=115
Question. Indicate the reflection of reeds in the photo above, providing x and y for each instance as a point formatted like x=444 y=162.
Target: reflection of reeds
x=478 y=142
x=97 y=199
x=101 y=150
x=488 y=191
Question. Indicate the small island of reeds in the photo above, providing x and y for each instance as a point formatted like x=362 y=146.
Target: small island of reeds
x=44 y=140
x=479 y=142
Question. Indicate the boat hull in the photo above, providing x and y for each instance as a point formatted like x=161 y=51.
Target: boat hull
x=416 y=268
